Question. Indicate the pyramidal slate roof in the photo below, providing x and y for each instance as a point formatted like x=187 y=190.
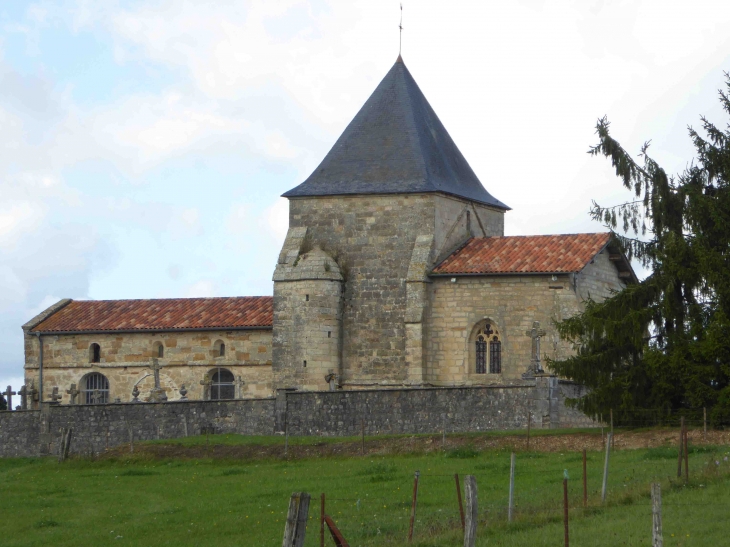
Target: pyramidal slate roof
x=395 y=145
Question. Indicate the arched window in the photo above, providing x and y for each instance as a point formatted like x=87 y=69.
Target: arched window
x=481 y=355
x=219 y=349
x=159 y=350
x=487 y=356
x=495 y=356
x=94 y=353
x=221 y=386
x=95 y=389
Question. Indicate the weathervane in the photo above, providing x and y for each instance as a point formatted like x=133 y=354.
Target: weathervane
x=400 y=26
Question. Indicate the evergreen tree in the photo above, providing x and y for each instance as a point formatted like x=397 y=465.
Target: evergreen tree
x=663 y=343
x=3 y=403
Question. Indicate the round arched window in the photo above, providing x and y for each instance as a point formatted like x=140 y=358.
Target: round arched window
x=222 y=384
x=94 y=353
x=95 y=389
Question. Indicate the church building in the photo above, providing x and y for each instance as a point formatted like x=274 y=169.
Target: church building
x=395 y=272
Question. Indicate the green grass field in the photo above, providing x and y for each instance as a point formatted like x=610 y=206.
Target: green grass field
x=138 y=500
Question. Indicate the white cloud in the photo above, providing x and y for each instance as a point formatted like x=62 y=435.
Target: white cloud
x=202 y=288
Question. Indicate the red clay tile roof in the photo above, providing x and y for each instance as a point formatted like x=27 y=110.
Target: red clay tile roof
x=524 y=254
x=161 y=314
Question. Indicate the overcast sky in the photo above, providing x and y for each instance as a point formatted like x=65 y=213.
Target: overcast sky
x=145 y=144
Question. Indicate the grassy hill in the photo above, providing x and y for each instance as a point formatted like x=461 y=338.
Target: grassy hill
x=150 y=499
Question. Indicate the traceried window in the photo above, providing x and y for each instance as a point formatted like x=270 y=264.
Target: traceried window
x=495 y=356
x=487 y=350
x=222 y=386
x=95 y=389
x=94 y=353
x=481 y=355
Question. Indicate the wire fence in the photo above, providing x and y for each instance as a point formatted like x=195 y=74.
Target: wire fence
x=432 y=505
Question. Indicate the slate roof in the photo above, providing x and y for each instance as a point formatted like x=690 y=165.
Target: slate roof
x=161 y=314
x=565 y=253
x=395 y=145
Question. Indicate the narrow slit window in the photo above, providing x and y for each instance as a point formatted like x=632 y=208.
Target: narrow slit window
x=94 y=353
x=305 y=363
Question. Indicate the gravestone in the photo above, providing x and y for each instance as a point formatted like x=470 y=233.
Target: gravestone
x=23 y=392
x=331 y=379
x=73 y=393
x=32 y=394
x=9 y=397
x=206 y=382
x=536 y=333
x=157 y=395
x=55 y=396
x=239 y=387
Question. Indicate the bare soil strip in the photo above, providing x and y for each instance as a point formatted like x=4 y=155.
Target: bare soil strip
x=374 y=446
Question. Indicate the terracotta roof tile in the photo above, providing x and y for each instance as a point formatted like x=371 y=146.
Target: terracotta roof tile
x=161 y=314
x=524 y=254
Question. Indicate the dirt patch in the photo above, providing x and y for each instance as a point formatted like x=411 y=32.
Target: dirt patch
x=423 y=444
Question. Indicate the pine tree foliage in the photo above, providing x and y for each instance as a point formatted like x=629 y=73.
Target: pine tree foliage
x=663 y=343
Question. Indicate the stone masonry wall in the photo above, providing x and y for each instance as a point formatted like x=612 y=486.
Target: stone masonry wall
x=510 y=304
x=373 y=239
x=598 y=279
x=339 y=413
x=126 y=358
x=99 y=427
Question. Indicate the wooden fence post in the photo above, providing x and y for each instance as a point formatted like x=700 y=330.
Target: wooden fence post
x=529 y=422
x=656 y=510
x=362 y=431
x=686 y=455
x=458 y=495
x=565 y=506
x=470 y=527
x=585 y=481
x=286 y=439
x=296 y=520
x=605 y=469
x=511 y=506
x=681 y=448
x=321 y=520
x=413 y=506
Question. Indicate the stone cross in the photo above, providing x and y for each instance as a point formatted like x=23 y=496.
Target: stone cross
x=206 y=382
x=23 y=392
x=55 y=396
x=535 y=333
x=32 y=393
x=239 y=387
x=73 y=392
x=9 y=397
x=156 y=366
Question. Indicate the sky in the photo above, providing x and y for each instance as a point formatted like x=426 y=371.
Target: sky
x=145 y=145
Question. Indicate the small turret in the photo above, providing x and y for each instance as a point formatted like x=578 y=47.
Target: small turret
x=307 y=317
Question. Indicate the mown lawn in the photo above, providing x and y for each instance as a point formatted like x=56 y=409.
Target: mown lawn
x=135 y=500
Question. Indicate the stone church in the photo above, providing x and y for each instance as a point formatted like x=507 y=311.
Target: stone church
x=395 y=272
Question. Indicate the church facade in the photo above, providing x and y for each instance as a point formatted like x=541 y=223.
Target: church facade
x=395 y=272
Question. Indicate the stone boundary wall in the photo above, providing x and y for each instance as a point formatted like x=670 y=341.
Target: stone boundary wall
x=340 y=413
x=410 y=411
